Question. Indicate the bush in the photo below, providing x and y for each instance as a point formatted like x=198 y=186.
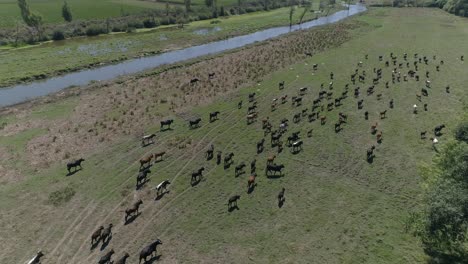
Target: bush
x=58 y=35
x=94 y=31
x=149 y=23
x=461 y=132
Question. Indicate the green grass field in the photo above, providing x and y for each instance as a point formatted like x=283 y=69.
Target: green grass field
x=54 y=57
x=339 y=208
x=51 y=10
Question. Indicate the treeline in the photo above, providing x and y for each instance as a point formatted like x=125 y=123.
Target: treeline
x=457 y=7
x=34 y=30
x=443 y=225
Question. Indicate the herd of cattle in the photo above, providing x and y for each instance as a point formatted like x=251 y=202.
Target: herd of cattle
x=326 y=101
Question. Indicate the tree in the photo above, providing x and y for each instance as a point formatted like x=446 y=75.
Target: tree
x=187 y=5
x=209 y=3
x=307 y=7
x=291 y=13
x=31 y=19
x=66 y=12
x=167 y=8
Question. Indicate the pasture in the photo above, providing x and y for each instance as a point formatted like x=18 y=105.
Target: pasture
x=338 y=208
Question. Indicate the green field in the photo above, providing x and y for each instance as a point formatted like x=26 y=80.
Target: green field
x=51 y=58
x=339 y=208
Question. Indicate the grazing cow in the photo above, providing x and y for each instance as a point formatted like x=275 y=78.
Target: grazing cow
x=106 y=234
x=391 y=104
x=323 y=120
x=315 y=66
x=197 y=175
x=162 y=187
x=275 y=137
x=379 y=137
x=232 y=202
x=228 y=159
x=343 y=117
x=251 y=97
x=130 y=212
x=302 y=90
x=297 y=146
x=211 y=75
x=253 y=166
x=331 y=75
x=438 y=130
x=423 y=134
x=424 y=92
x=209 y=152
x=239 y=105
x=271 y=159
x=167 y=123
x=425 y=107
x=366 y=115
x=194 y=80
x=447 y=89
x=141 y=177
x=462 y=58
x=370 y=152
x=149 y=250
x=330 y=106
x=107 y=257
x=159 y=156
x=123 y=259
x=274 y=168
x=214 y=116
x=309 y=133
x=146 y=160
x=194 y=123
x=218 y=157
x=148 y=139
x=360 y=102
x=296 y=101
x=383 y=114
x=251 y=109
x=239 y=169
x=281 y=85
x=297 y=118
x=281 y=196
x=36 y=259
x=374 y=128
x=337 y=127
x=308 y=54
x=74 y=165
x=251 y=118
x=251 y=182
x=96 y=236
x=260 y=145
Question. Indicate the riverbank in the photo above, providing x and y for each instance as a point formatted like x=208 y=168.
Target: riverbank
x=57 y=58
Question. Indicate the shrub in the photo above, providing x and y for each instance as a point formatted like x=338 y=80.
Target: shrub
x=94 y=31
x=461 y=132
x=149 y=23
x=58 y=35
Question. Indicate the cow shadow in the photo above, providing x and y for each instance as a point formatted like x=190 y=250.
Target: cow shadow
x=142 y=184
x=161 y=195
x=232 y=208
x=147 y=144
x=275 y=176
x=94 y=245
x=153 y=259
x=73 y=172
x=132 y=218
x=143 y=168
x=195 y=182
x=251 y=188
x=370 y=159
x=105 y=243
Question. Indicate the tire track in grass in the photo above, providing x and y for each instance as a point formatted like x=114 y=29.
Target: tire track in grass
x=167 y=166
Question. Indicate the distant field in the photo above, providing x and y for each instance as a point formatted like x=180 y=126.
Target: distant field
x=88 y=9
x=82 y=9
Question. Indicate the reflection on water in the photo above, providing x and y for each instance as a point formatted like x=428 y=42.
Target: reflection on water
x=20 y=93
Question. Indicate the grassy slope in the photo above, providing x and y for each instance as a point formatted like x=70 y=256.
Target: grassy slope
x=77 y=53
x=339 y=209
